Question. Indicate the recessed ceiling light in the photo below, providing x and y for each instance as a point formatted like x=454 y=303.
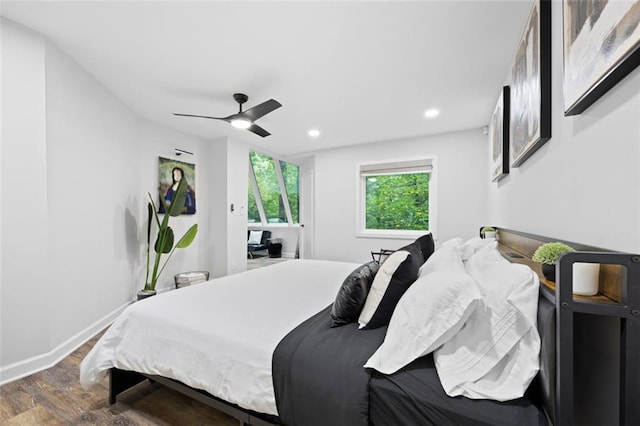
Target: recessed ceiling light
x=313 y=133
x=430 y=113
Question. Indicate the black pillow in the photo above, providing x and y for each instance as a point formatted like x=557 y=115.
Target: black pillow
x=352 y=294
x=426 y=245
x=394 y=277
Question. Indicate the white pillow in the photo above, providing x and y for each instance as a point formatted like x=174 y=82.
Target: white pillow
x=495 y=355
x=496 y=276
x=473 y=245
x=255 y=237
x=430 y=313
x=447 y=257
x=383 y=281
x=452 y=242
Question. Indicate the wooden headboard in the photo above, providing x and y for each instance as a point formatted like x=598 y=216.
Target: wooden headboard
x=616 y=307
x=513 y=244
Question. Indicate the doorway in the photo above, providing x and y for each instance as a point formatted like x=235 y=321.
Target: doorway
x=306 y=239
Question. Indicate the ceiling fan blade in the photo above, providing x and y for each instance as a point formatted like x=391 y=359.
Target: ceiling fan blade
x=258 y=130
x=261 y=110
x=202 y=116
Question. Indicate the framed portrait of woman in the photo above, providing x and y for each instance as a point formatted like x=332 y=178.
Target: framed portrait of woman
x=170 y=173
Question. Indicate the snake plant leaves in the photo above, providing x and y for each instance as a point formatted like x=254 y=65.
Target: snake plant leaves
x=188 y=237
x=179 y=199
x=165 y=240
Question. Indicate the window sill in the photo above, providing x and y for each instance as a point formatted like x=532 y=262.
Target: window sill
x=396 y=235
x=257 y=225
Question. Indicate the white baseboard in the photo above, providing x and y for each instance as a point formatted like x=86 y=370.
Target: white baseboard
x=35 y=364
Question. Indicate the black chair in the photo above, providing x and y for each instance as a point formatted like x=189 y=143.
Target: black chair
x=253 y=246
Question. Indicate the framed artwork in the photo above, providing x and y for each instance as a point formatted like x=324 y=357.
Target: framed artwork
x=170 y=172
x=499 y=136
x=530 y=112
x=601 y=46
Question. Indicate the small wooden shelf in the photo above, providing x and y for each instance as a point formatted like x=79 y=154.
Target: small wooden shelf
x=610 y=275
x=618 y=298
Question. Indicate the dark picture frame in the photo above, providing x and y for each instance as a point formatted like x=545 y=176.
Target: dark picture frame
x=499 y=136
x=168 y=171
x=601 y=46
x=530 y=111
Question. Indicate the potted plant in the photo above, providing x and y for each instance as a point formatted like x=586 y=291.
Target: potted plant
x=488 y=232
x=164 y=243
x=547 y=255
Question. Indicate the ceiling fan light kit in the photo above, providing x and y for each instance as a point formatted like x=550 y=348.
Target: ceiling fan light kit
x=241 y=123
x=245 y=119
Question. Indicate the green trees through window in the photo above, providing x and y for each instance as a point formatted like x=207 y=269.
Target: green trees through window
x=273 y=190
x=396 y=198
x=397 y=201
x=252 y=209
x=291 y=174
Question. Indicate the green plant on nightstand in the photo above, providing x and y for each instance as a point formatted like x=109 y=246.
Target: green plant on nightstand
x=488 y=232
x=547 y=255
x=164 y=243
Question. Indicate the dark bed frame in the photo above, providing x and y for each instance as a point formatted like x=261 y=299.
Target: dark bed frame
x=121 y=380
x=612 y=318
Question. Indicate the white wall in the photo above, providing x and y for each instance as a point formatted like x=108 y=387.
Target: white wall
x=154 y=141
x=237 y=181
x=583 y=185
x=76 y=167
x=91 y=191
x=461 y=190
x=25 y=263
x=217 y=190
x=228 y=162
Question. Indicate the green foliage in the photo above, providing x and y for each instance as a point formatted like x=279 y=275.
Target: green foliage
x=165 y=237
x=164 y=241
x=188 y=237
x=268 y=186
x=272 y=201
x=548 y=253
x=397 y=201
x=290 y=174
x=252 y=208
x=487 y=229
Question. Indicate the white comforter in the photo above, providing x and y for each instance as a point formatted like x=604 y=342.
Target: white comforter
x=218 y=336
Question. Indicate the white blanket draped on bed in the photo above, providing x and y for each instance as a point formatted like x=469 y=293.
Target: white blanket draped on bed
x=218 y=336
x=495 y=355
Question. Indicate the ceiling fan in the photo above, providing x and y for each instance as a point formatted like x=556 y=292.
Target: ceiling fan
x=246 y=119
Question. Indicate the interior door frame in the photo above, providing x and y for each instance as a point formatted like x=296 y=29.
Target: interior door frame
x=306 y=233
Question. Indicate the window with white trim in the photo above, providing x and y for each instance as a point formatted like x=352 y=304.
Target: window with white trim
x=272 y=190
x=396 y=199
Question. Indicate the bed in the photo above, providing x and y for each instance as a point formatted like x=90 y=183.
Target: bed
x=224 y=349
x=275 y=359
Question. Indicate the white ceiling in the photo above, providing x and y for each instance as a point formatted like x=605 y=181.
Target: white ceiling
x=358 y=71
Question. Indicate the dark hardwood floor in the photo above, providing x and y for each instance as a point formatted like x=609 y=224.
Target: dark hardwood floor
x=55 y=397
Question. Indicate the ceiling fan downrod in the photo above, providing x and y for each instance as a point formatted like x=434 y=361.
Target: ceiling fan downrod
x=240 y=98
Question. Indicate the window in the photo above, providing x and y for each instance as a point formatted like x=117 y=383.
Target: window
x=252 y=210
x=396 y=199
x=291 y=177
x=273 y=190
